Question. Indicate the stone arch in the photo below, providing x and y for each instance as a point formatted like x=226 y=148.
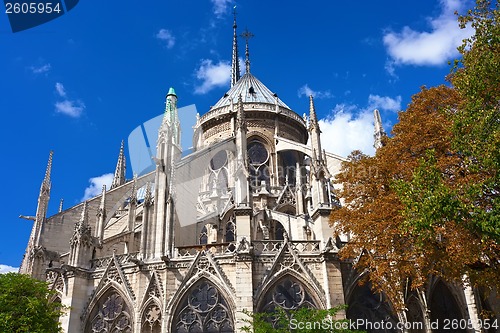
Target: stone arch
x=416 y=313
x=287 y=208
x=443 y=305
x=110 y=312
x=368 y=307
x=270 y=230
x=277 y=230
x=203 y=308
x=290 y=277
x=288 y=292
x=151 y=317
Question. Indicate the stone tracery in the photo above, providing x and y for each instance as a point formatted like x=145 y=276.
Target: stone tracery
x=203 y=310
x=111 y=314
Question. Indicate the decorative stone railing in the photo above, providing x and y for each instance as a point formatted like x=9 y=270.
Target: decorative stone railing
x=123 y=259
x=214 y=113
x=273 y=246
x=218 y=248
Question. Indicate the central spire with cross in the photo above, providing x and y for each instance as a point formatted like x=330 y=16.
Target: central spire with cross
x=247 y=35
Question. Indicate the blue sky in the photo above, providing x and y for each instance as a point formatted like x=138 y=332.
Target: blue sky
x=80 y=84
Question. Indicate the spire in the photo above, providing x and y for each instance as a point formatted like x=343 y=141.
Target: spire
x=171 y=117
x=61 y=205
x=240 y=114
x=119 y=178
x=379 y=132
x=247 y=35
x=45 y=187
x=315 y=132
x=235 y=65
x=101 y=216
x=85 y=215
x=171 y=106
x=313 y=119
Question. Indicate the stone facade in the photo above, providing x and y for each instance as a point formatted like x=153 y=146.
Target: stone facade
x=241 y=224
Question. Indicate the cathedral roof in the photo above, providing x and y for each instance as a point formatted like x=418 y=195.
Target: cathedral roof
x=251 y=90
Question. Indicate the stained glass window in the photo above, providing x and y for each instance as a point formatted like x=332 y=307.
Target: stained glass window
x=110 y=315
x=203 y=310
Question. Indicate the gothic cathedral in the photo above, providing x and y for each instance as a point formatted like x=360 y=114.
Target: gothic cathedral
x=239 y=224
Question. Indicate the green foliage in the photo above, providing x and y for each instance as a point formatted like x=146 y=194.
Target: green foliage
x=25 y=305
x=427 y=200
x=303 y=320
x=477 y=120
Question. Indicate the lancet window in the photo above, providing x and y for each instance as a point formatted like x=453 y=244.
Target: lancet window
x=151 y=319
x=259 y=163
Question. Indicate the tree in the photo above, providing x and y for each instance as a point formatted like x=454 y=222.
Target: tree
x=303 y=320
x=26 y=305
x=401 y=206
x=428 y=202
x=477 y=120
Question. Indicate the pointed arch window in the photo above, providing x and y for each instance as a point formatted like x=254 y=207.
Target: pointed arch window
x=204 y=235
x=111 y=314
x=151 y=319
x=203 y=310
x=230 y=234
x=258 y=157
x=288 y=294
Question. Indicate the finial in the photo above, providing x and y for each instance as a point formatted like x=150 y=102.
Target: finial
x=235 y=62
x=247 y=35
x=119 y=177
x=148 y=196
x=171 y=91
x=240 y=114
x=379 y=132
x=133 y=196
x=85 y=214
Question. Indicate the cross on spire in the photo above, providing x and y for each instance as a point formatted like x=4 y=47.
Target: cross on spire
x=247 y=35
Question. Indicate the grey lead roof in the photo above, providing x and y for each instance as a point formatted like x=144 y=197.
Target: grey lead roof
x=251 y=90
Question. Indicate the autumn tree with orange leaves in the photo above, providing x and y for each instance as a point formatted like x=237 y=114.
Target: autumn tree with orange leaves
x=428 y=203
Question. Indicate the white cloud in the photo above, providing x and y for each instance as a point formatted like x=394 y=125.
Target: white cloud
x=70 y=108
x=60 y=89
x=167 y=37
x=433 y=47
x=8 y=269
x=96 y=183
x=212 y=75
x=384 y=103
x=40 y=69
x=306 y=91
x=350 y=127
x=220 y=6
x=347 y=129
